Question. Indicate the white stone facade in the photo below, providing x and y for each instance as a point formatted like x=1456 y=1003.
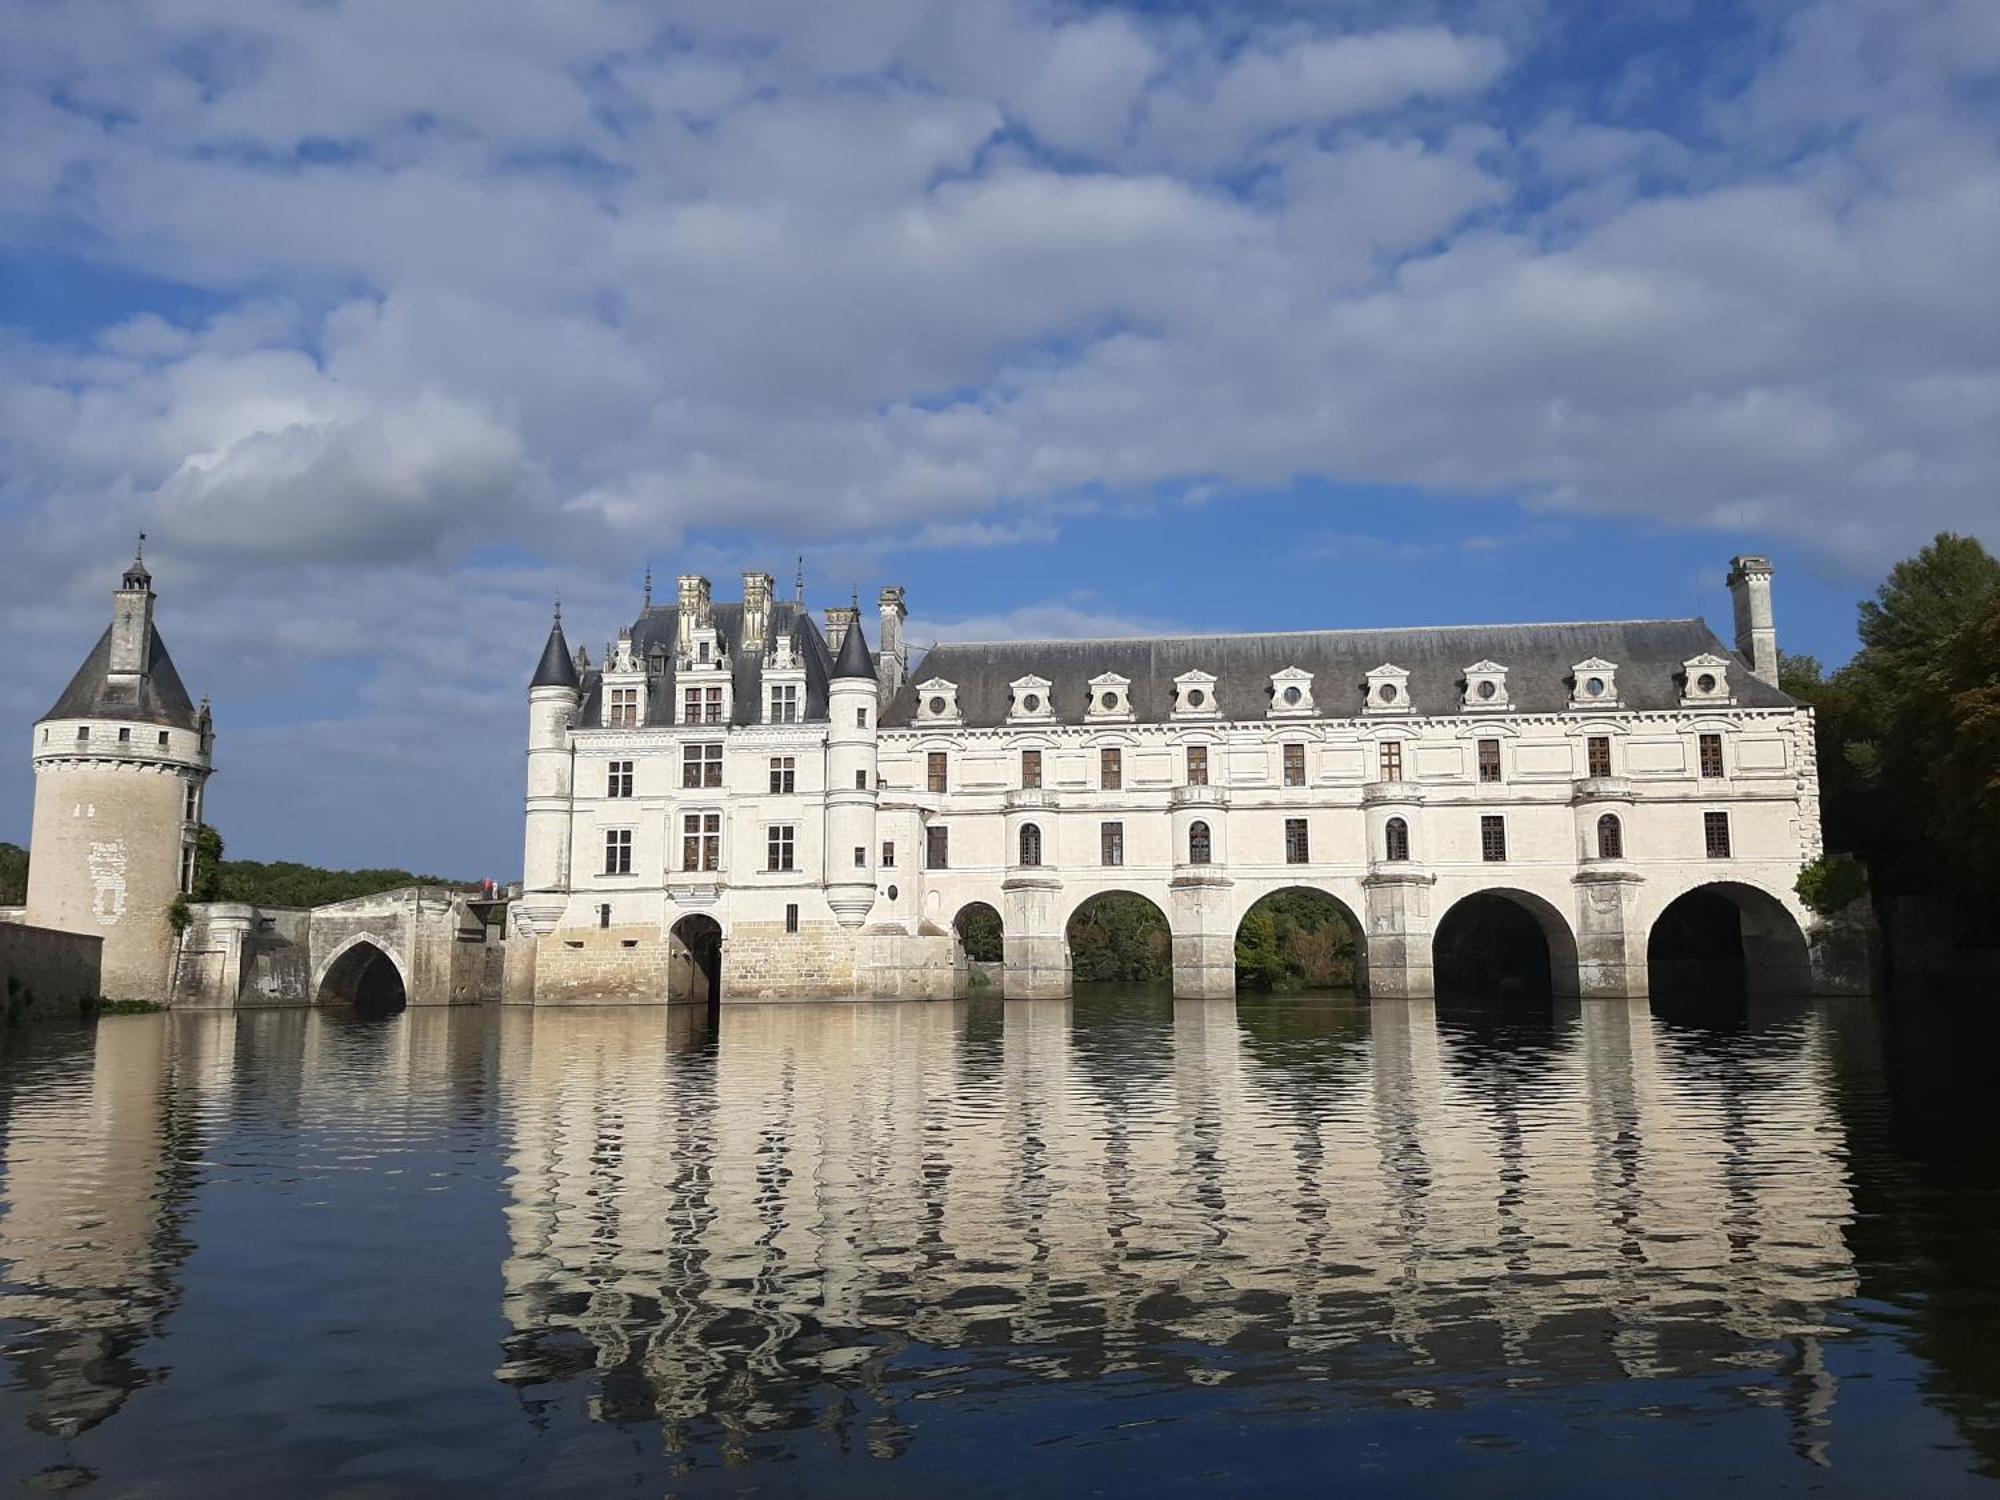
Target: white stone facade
x=1594 y=778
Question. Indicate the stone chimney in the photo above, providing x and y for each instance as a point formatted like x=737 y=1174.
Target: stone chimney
x=838 y=618
x=756 y=611
x=893 y=659
x=1756 y=629
x=695 y=613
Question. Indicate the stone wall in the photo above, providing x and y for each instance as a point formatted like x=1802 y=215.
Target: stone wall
x=44 y=971
x=236 y=956
x=762 y=961
x=619 y=965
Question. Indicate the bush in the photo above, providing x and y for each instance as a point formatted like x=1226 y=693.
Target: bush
x=1832 y=883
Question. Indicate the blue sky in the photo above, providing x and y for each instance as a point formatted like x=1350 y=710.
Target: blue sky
x=390 y=323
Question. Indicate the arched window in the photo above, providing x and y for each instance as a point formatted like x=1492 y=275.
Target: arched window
x=1200 y=851
x=1396 y=841
x=1031 y=844
x=1610 y=837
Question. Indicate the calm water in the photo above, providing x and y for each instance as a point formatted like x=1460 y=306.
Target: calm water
x=1122 y=1245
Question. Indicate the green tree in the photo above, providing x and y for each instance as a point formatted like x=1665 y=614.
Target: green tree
x=13 y=875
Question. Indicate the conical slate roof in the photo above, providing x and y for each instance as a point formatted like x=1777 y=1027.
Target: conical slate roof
x=557 y=667
x=854 y=660
x=157 y=698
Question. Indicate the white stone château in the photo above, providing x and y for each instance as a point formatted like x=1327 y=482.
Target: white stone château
x=734 y=805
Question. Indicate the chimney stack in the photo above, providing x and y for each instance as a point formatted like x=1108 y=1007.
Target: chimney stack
x=756 y=611
x=894 y=659
x=1756 y=628
x=132 y=626
x=693 y=603
x=838 y=618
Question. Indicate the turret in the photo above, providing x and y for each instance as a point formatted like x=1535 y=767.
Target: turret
x=853 y=703
x=553 y=696
x=1756 y=628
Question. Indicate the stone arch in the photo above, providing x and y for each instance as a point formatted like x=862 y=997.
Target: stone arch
x=694 y=960
x=978 y=935
x=1342 y=911
x=1143 y=953
x=366 y=974
x=1502 y=943
x=1727 y=939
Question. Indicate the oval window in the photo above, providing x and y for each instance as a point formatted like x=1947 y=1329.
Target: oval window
x=1388 y=692
x=1486 y=690
x=1032 y=703
x=1291 y=695
x=1706 y=682
x=892 y=893
x=1595 y=687
x=1109 y=701
x=1196 y=697
x=937 y=705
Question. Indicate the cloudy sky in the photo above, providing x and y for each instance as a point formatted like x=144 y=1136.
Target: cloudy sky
x=390 y=322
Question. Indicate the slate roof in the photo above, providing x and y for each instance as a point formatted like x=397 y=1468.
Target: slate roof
x=557 y=668
x=160 y=698
x=854 y=658
x=1538 y=658
x=659 y=625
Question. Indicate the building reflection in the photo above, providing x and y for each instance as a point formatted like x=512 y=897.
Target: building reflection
x=824 y=1211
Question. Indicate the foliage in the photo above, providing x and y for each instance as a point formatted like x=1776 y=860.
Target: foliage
x=91 y=1008
x=282 y=883
x=1294 y=940
x=207 y=864
x=1118 y=936
x=979 y=930
x=178 y=915
x=13 y=875
x=1832 y=883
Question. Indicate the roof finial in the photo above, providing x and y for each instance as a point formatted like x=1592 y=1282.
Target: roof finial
x=649 y=585
x=140 y=554
x=558 y=609
x=799 y=583
x=857 y=598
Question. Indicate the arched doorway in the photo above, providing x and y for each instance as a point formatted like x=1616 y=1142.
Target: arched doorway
x=694 y=961
x=1727 y=942
x=1299 y=939
x=1119 y=937
x=977 y=947
x=1504 y=946
x=366 y=979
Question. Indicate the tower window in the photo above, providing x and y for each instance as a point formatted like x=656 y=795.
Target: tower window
x=1396 y=841
x=1489 y=760
x=1031 y=769
x=861 y=780
x=618 y=778
x=191 y=802
x=124 y=736
x=780 y=846
x=1031 y=845
x=187 y=869
x=1392 y=760
x=701 y=841
x=1111 y=843
x=163 y=738
x=1201 y=848
x=1610 y=837
x=860 y=856
x=1197 y=765
x=618 y=851
x=784 y=774
x=860 y=718
x=1298 y=850
x=1715 y=834
x=1111 y=769
x=1295 y=765
x=83 y=731
x=936 y=767
x=1493 y=839
x=701 y=765
x=1711 y=755
x=1597 y=751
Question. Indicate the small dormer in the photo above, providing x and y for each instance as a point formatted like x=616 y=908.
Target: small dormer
x=1593 y=683
x=1485 y=687
x=625 y=684
x=1705 y=680
x=784 y=682
x=1292 y=694
x=1194 y=696
x=1028 y=701
x=1110 y=699
x=1388 y=690
x=937 y=702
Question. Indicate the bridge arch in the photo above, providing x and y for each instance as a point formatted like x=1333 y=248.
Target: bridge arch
x=694 y=960
x=1277 y=957
x=1727 y=939
x=366 y=974
x=1122 y=934
x=1503 y=943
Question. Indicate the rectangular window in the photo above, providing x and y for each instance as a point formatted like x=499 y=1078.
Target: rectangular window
x=780 y=844
x=784 y=774
x=860 y=718
x=860 y=856
x=861 y=780
x=187 y=870
x=1715 y=834
x=704 y=650
x=624 y=710
x=618 y=778
x=1295 y=765
x=163 y=739
x=191 y=802
x=937 y=848
x=937 y=767
x=785 y=703
x=1392 y=760
x=711 y=705
x=1111 y=843
x=83 y=731
x=691 y=705
x=1297 y=850
x=1197 y=765
x=1598 y=751
x=701 y=841
x=1493 y=839
x=1111 y=769
x=1489 y=760
x=618 y=851
x=125 y=736
x=791 y=916
x=888 y=855
x=1031 y=768
x=1711 y=755
x=701 y=765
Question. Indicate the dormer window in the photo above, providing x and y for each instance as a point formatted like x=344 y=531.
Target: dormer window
x=1292 y=694
x=1028 y=701
x=1705 y=680
x=1388 y=690
x=1485 y=687
x=1593 y=683
x=937 y=702
x=1194 y=696
x=1110 y=698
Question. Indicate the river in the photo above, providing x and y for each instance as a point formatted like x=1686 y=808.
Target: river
x=1119 y=1245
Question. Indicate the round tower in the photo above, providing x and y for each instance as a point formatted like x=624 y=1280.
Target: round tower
x=121 y=765
x=853 y=701
x=553 y=697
